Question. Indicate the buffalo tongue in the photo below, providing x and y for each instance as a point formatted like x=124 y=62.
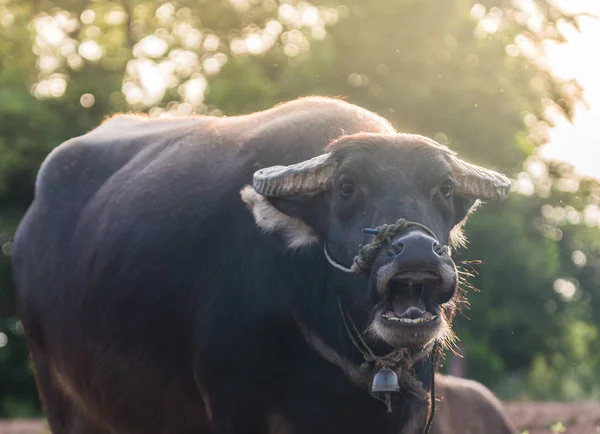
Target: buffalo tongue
x=404 y=308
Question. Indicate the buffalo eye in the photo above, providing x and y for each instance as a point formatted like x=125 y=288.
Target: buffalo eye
x=447 y=188
x=347 y=188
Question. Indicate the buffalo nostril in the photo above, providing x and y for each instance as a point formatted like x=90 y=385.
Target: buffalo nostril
x=440 y=249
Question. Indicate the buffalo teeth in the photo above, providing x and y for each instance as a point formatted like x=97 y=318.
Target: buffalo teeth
x=411 y=321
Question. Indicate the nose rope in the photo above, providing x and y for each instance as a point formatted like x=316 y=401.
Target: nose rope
x=383 y=235
x=334 y=263
x=363 y=261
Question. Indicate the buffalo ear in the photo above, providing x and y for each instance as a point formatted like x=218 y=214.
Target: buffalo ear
x=290 y=217
x=464 y=206
x=307 y=208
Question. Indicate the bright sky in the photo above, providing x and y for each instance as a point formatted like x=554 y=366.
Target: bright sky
x=579 y=142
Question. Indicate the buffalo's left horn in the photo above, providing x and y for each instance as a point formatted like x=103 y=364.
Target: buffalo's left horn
x=478 y=182
x=307 y=177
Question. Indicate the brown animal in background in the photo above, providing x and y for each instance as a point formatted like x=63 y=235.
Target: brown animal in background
x=468 y=407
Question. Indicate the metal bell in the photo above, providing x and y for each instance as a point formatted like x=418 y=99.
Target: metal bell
x=385 y=380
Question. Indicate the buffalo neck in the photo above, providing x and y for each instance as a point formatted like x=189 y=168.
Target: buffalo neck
x=317 y=315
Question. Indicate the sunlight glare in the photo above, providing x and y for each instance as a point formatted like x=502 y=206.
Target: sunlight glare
x=536 y=168
x=535 y=23
x=88 y=16
x=211 y=65
x=87 y=100
x=274 y=27
x=512 y=50
x=240 y=5
x=211 y=43
x=193 y=90
x=150 y=46
x=478 y=11
x=565 y=288
x=237 y=46
x=254 y=44
x=523 y=185
x=291 y=50
x=58 y=85
x=185 y=61
x=49 y=31
x=67 y=48
x=48 y=64
x=579 y=258
x=90 y=50
x=54 y=86
x=526 y=46
x=151 y=80
x=7 y=18
x=489 y=24
x=310 y=16
x=133 y=94
x=591 y=215
x=75 y=61
x=66 y=22
x=115 y=17
x=318 y=33
x=92 y=32
x=191 y=39
x=289 y=15
x=569 y=185
x=331 y=15
x=165 y=12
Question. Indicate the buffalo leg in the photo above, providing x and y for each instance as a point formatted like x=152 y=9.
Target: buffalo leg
x=232 y=421
x=62 y=414
x=233 y=410
x=55 y=404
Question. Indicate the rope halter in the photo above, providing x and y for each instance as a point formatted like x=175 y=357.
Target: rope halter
x=383 y=235
x=363 y=261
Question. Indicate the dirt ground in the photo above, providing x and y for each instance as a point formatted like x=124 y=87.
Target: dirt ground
x=22 y=427
x=555 y=418
x=529 y=417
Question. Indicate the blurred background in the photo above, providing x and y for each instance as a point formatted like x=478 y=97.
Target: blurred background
x=512 y=85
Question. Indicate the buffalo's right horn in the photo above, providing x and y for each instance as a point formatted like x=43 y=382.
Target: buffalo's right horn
x=307 y=177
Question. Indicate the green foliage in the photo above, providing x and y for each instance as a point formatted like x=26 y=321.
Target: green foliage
x=452 y=70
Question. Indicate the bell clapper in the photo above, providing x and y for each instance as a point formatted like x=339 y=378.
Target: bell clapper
x=388 y=401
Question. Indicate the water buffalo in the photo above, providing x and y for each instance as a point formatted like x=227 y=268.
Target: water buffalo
x=202 y=274
x=468 y=407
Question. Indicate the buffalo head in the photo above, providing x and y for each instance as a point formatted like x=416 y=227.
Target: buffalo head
x=367 y=180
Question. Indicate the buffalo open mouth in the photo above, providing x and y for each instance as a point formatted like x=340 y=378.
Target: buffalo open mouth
x=408 y=304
